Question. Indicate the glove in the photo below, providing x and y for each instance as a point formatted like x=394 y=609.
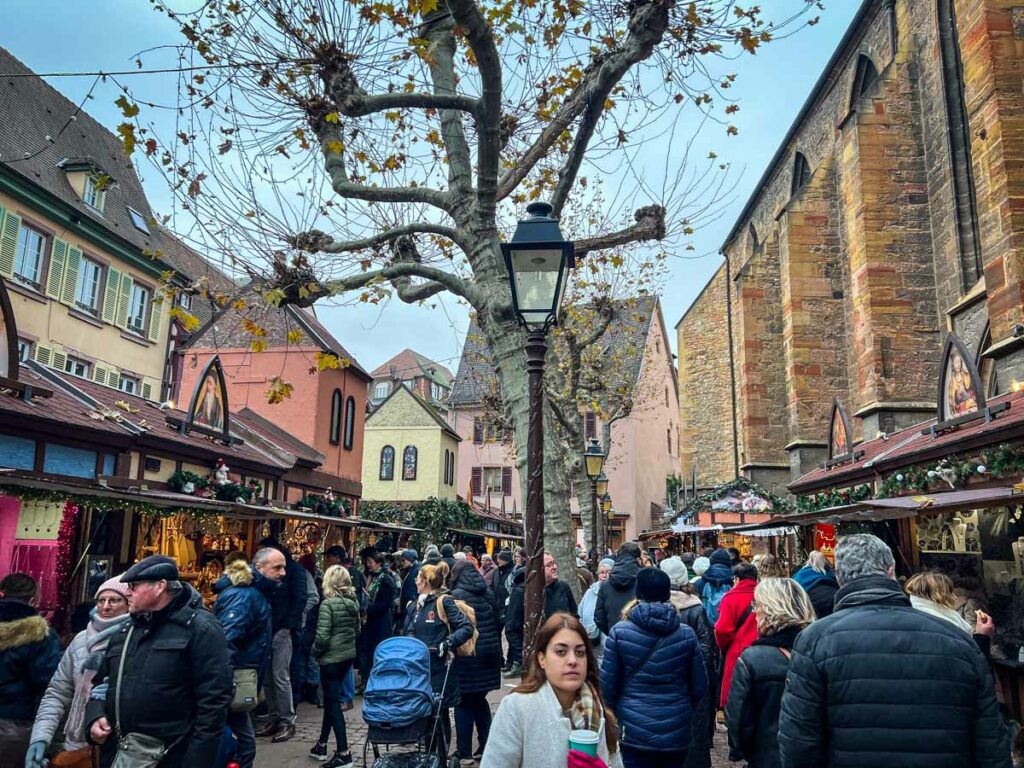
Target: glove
x=99 y=692
x=579 y=759
x=34 y=756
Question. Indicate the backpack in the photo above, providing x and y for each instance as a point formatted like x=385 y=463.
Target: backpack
x=468 y=648
x=711 y=596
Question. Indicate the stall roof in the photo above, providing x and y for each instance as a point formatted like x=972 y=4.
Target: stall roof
x=890 y=509
x=909 y=446
x=488 y=534
x=385 y=526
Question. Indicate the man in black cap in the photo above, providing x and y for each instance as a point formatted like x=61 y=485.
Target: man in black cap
x=176 y=683
x=410 y=559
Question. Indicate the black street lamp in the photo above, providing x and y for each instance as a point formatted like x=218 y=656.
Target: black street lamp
x=538 y=260
x=602 y=491
x=593 y=463
x=609 y=514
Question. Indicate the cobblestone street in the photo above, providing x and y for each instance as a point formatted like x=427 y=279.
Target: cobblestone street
x=295 y=753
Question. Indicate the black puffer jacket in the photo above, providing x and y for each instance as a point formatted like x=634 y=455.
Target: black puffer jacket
x=616 y=591
x=501 y=591
x=478 y=673
x=879 y=683
x=755 y=694
x=423 y=622
x=177 y=682
x=515 y=615
x=692 y=614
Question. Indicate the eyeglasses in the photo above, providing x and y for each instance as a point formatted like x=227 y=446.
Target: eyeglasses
x=110 y=601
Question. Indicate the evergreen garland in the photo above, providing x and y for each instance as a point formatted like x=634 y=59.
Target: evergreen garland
x=779 y=505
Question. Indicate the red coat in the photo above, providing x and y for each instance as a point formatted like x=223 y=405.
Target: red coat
x=733 y=639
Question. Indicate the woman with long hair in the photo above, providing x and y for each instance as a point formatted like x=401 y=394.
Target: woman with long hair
x=334 y=648
x=435 y=619
x=560 y=694
x=782 y=609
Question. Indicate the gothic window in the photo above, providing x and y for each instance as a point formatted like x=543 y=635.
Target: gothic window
x=336 y=417
x=801 y=172
x=752 y=238
x=350 y=423
x=387 y=463
x=863 y=78
x=409 y=463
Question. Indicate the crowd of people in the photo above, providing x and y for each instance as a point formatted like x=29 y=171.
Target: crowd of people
x=834 y=667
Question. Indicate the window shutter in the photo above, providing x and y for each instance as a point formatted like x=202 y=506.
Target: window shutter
x=506 y=481
x=110 y=295
x=590 y=425
x=58 y=258
x=100 y=374
x=156 y=311
x=60 y=358
x=147 y=390
x=9 y=243
x=478 y=430
x=124 y=295
x=43 y=354
x=477 y=481
x=70 y=284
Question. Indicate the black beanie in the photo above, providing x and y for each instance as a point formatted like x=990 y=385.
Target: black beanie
x=447 y=550
x=653 y=586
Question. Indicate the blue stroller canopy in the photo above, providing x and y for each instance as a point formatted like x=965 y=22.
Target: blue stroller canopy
x=398 y=692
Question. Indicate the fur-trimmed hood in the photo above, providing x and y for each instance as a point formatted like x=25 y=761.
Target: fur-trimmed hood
x=20 y=625
x=681 y=601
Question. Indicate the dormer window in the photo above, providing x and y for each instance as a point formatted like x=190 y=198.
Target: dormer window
x=138 y=220
x=93 y=193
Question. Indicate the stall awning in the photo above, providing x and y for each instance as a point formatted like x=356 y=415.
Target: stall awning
x=651 y=535
x=896 y=508
x=379 y=526
x=696 y=528
x=487 y=534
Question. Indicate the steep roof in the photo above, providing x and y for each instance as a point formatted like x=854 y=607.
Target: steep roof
x=419 y=401
x=627 y=332
x=408 y=363
x=226 y=330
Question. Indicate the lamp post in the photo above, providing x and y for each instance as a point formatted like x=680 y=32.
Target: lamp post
x=606 y=508
x=602 y=491
x=593 y=463
x=538 y=260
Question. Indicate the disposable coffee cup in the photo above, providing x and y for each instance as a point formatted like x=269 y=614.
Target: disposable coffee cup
x=583 y=741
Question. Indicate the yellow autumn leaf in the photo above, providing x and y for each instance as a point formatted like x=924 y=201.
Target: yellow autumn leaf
x=331 y=117
x=279 y=390
x=295 y=337
x=335 y=147
x=258 y=345
x=326 y=361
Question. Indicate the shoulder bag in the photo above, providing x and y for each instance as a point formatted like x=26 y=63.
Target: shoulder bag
x=136 y=750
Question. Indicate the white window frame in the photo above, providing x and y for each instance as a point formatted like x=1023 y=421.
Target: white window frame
x=82 y=269
x=487 y=487
x=130 y=385
x=409 y=384
x=19 y=258
x=381 y=390
x=24 y=350
x=138 y=220
x=91 y=195
x=185 y=301
x=76 y=366
x=437 y=391
x=138 y=290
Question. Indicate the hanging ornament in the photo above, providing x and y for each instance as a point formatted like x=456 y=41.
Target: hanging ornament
x=982 y=469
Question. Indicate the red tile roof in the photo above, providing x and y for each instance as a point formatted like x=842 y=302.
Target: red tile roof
x=909 y=446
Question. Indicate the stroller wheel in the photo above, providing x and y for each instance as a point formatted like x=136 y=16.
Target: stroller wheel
x=453 y=761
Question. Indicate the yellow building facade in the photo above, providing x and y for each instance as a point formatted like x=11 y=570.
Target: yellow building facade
x=410 y=453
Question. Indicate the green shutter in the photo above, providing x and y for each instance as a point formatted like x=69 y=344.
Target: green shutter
x=124 y=295
x=156 y=311
x=58 y=258
x=110 y=295
x=9 y=243
x=70 y=284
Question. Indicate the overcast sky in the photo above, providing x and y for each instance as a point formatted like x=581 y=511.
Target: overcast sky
x=91 y=35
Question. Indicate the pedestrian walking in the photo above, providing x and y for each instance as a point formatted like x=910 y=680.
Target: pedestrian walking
x=412 y=569
x=700 y=567
x=558 y=595
x=480 y=673
x=819 y=582
x=588 y=604
x=435 y=619
x=769 y=567
x=782 y=610
x=431 y=556
x=381 y=593
x=448 y=556
x=69 y=688
x=243 y=600
x=691 y=613
x=29 y=654
x=338 y=555
x=334 y=648
x=736 y=629
x=561 y=694
x=920 y=689
x=515 y=617
x=715 y=583
x=653 y=677
x=501 y=582
x=166 y=672
x=303 y=639
x=487 y=569
x=286 y=606
x=620 y=588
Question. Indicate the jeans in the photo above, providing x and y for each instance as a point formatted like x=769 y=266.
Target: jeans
x=348 y=686
x=332 y=678
x=298 y=666
x=312 y=671
x=241 y=725
x=642 y=758
x=471 y=710
x=278 y=683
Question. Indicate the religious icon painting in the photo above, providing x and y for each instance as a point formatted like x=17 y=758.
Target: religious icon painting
x=960 y=394
x=209 y=408
x=839 y=443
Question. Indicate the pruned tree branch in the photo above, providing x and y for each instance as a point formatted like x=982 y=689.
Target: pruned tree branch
x=315 y=241
x=647 y=25
x=398 y=275
x=650 y=225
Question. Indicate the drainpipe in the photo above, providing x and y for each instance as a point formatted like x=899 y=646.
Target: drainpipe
x=890 y=12
x=732 y=368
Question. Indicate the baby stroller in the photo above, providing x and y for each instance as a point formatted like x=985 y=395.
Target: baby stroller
x=401 y=709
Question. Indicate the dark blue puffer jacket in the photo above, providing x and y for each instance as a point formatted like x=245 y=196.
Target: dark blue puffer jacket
x=653 y=696
x=243 y=607
x=29 y=654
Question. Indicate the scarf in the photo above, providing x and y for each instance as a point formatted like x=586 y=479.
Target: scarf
x=97 y=638
x=371 y=591
x=585 y=713
x=941 y=612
